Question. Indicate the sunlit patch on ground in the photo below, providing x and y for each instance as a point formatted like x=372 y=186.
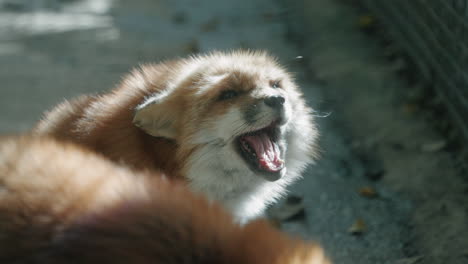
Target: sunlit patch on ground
x=43 y=17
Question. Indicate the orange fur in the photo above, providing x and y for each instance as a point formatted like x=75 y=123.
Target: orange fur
x=62 y=204
x=169 y=117
x=104 y=124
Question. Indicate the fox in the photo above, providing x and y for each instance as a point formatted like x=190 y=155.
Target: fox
x=233 y=125
x=62 y=203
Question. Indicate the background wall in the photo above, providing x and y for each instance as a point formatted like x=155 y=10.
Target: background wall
x=434 y=37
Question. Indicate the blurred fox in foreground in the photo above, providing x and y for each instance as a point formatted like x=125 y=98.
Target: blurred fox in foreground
x=62 y=204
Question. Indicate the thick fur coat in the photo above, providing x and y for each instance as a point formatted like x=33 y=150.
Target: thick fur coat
x=234 y=126
x=62 y=204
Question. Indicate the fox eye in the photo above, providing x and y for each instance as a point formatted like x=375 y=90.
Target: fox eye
x=228 y=94
x=275 y=84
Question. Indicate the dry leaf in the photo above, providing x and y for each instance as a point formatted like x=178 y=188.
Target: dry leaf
x=366 y=20
x=358 y=227
x=368 y=192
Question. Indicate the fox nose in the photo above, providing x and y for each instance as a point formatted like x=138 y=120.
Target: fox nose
x=275 y=102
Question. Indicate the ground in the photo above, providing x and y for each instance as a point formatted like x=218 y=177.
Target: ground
x=387 y=189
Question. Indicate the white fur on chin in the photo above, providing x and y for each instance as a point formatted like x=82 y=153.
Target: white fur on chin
x=218 y=171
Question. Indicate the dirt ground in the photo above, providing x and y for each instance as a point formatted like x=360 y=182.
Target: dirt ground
x=387 y=189
x=376 y=111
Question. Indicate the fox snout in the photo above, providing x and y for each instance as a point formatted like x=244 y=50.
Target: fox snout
x=276 y=102
x=270 y=107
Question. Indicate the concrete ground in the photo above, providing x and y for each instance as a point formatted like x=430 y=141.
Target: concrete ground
x=55 y=49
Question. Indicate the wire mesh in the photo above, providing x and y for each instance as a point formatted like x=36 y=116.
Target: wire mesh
x=434 y=35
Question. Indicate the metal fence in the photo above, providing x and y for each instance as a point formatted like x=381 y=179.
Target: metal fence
x=434 y=35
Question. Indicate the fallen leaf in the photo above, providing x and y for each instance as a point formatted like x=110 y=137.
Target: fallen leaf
x=358 y=227
x=368 y=192
x=366 y=20
x=434 y=146
x=412 y=260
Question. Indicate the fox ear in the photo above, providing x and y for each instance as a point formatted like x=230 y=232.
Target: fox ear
x=157 y=116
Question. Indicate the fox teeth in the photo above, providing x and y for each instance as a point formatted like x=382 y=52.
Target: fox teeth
x=247 y=147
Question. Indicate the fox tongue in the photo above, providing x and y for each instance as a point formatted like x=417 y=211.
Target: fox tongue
x=268 y=152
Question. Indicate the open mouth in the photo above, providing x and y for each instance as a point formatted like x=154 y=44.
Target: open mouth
x=260 y=149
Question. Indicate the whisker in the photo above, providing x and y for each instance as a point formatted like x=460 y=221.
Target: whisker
x=243 y=126
x=321 y=114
